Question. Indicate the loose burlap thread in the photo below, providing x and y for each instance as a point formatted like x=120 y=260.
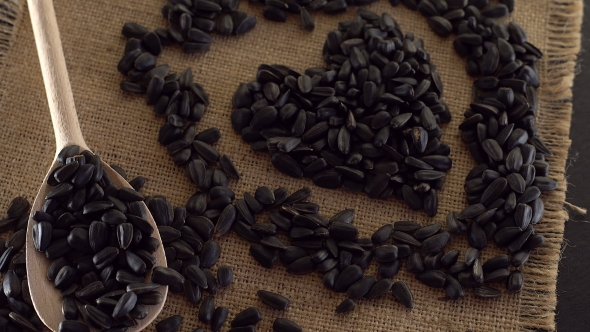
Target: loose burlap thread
x=123 y=130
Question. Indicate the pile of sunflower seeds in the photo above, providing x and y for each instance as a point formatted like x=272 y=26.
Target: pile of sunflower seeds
x=244 y=321
x=366 y=49
x=369 y=122
x=99 y=242
x=182 y=102
x=190 y=24
x=504 y=189
x=16 y=307
x=187 y=233
x=334 y=248
x=276 y=10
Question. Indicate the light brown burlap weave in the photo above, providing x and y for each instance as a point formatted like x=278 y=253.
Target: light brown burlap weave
x=123 y=130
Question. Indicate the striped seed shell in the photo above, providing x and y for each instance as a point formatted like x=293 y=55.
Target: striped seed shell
x=285 y=325
x=361 y=287
x=403 y=294
x=345 y=306
x=273 y=300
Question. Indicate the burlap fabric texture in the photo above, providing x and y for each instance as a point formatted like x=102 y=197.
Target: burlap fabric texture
x=123 y=130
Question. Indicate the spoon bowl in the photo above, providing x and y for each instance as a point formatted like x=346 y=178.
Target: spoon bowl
x=47 y=299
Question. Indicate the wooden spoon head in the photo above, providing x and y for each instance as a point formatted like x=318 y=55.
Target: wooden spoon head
x=46 y=298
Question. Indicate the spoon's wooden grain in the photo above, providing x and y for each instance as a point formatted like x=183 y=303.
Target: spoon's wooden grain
x=46 y=298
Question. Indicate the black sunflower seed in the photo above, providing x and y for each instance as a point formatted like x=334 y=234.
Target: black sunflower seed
x=346 y=306
x=273 y=300
x=487 y=292
x=225 y=276
x=347 y=277
x=427 y=231
x=379 y=289
x=21 y=321
x=209 y=253
x=453 y=288
x=285 y=325
x=436 y=242
x=249 y=316
x=42 y=235
x=361 y=287
x=303 y=265
x=432 y=278
x=440 y=25
x=285 y=164
x=344 y=216
x=11 y=284
x=166 y=276
x=341 y=231
x=264 y=195
x=206 y=310
x=169 y=324
x=263 y=255
x=150 y=298
x=226 y=220
x=219 y=316
x=476 y=236
x=386 y=253
x=515 y=281
x=403 y=294
x=382 y=234
x=125 y=304
x=415 y=262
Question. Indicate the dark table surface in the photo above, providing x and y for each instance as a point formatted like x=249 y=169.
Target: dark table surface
x=573 y=284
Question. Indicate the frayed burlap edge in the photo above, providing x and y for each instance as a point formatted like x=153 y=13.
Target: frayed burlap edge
x=10 y=12
x=538 y=299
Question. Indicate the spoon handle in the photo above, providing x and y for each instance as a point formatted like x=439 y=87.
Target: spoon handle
x=55 y=75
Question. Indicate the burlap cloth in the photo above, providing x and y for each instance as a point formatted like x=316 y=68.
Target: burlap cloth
x=122 y=129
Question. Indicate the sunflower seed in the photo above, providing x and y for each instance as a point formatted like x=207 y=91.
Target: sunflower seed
x=125 y=304
x=382 y=234
x=21 y=321
x=440 y=25
x=169 y=324
x=427 y=231
x=265 y=256
x=471 y=211
x=436 y=242
x=497 y=275
x=150 y=298
x=361 y=287
x=225 y=276
x=386 y=253
x=285 y=325
x=415 y=262
x=347 y=277
x=346 y=306
x=226 y=220
x=166 y=276
x=219 y=316
x=379 y=289
x=98 y=317
x=11 y=284
x=454 y=225
x=486 y=292
x=206 y=310
x=432 y=278
x=453 y=288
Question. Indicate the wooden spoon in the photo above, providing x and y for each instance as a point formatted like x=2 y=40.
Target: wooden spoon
x=46 y=298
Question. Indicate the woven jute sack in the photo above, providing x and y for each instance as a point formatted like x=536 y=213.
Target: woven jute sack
x=123 y=130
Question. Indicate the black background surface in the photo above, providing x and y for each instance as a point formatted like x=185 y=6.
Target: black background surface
x=573 y=285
